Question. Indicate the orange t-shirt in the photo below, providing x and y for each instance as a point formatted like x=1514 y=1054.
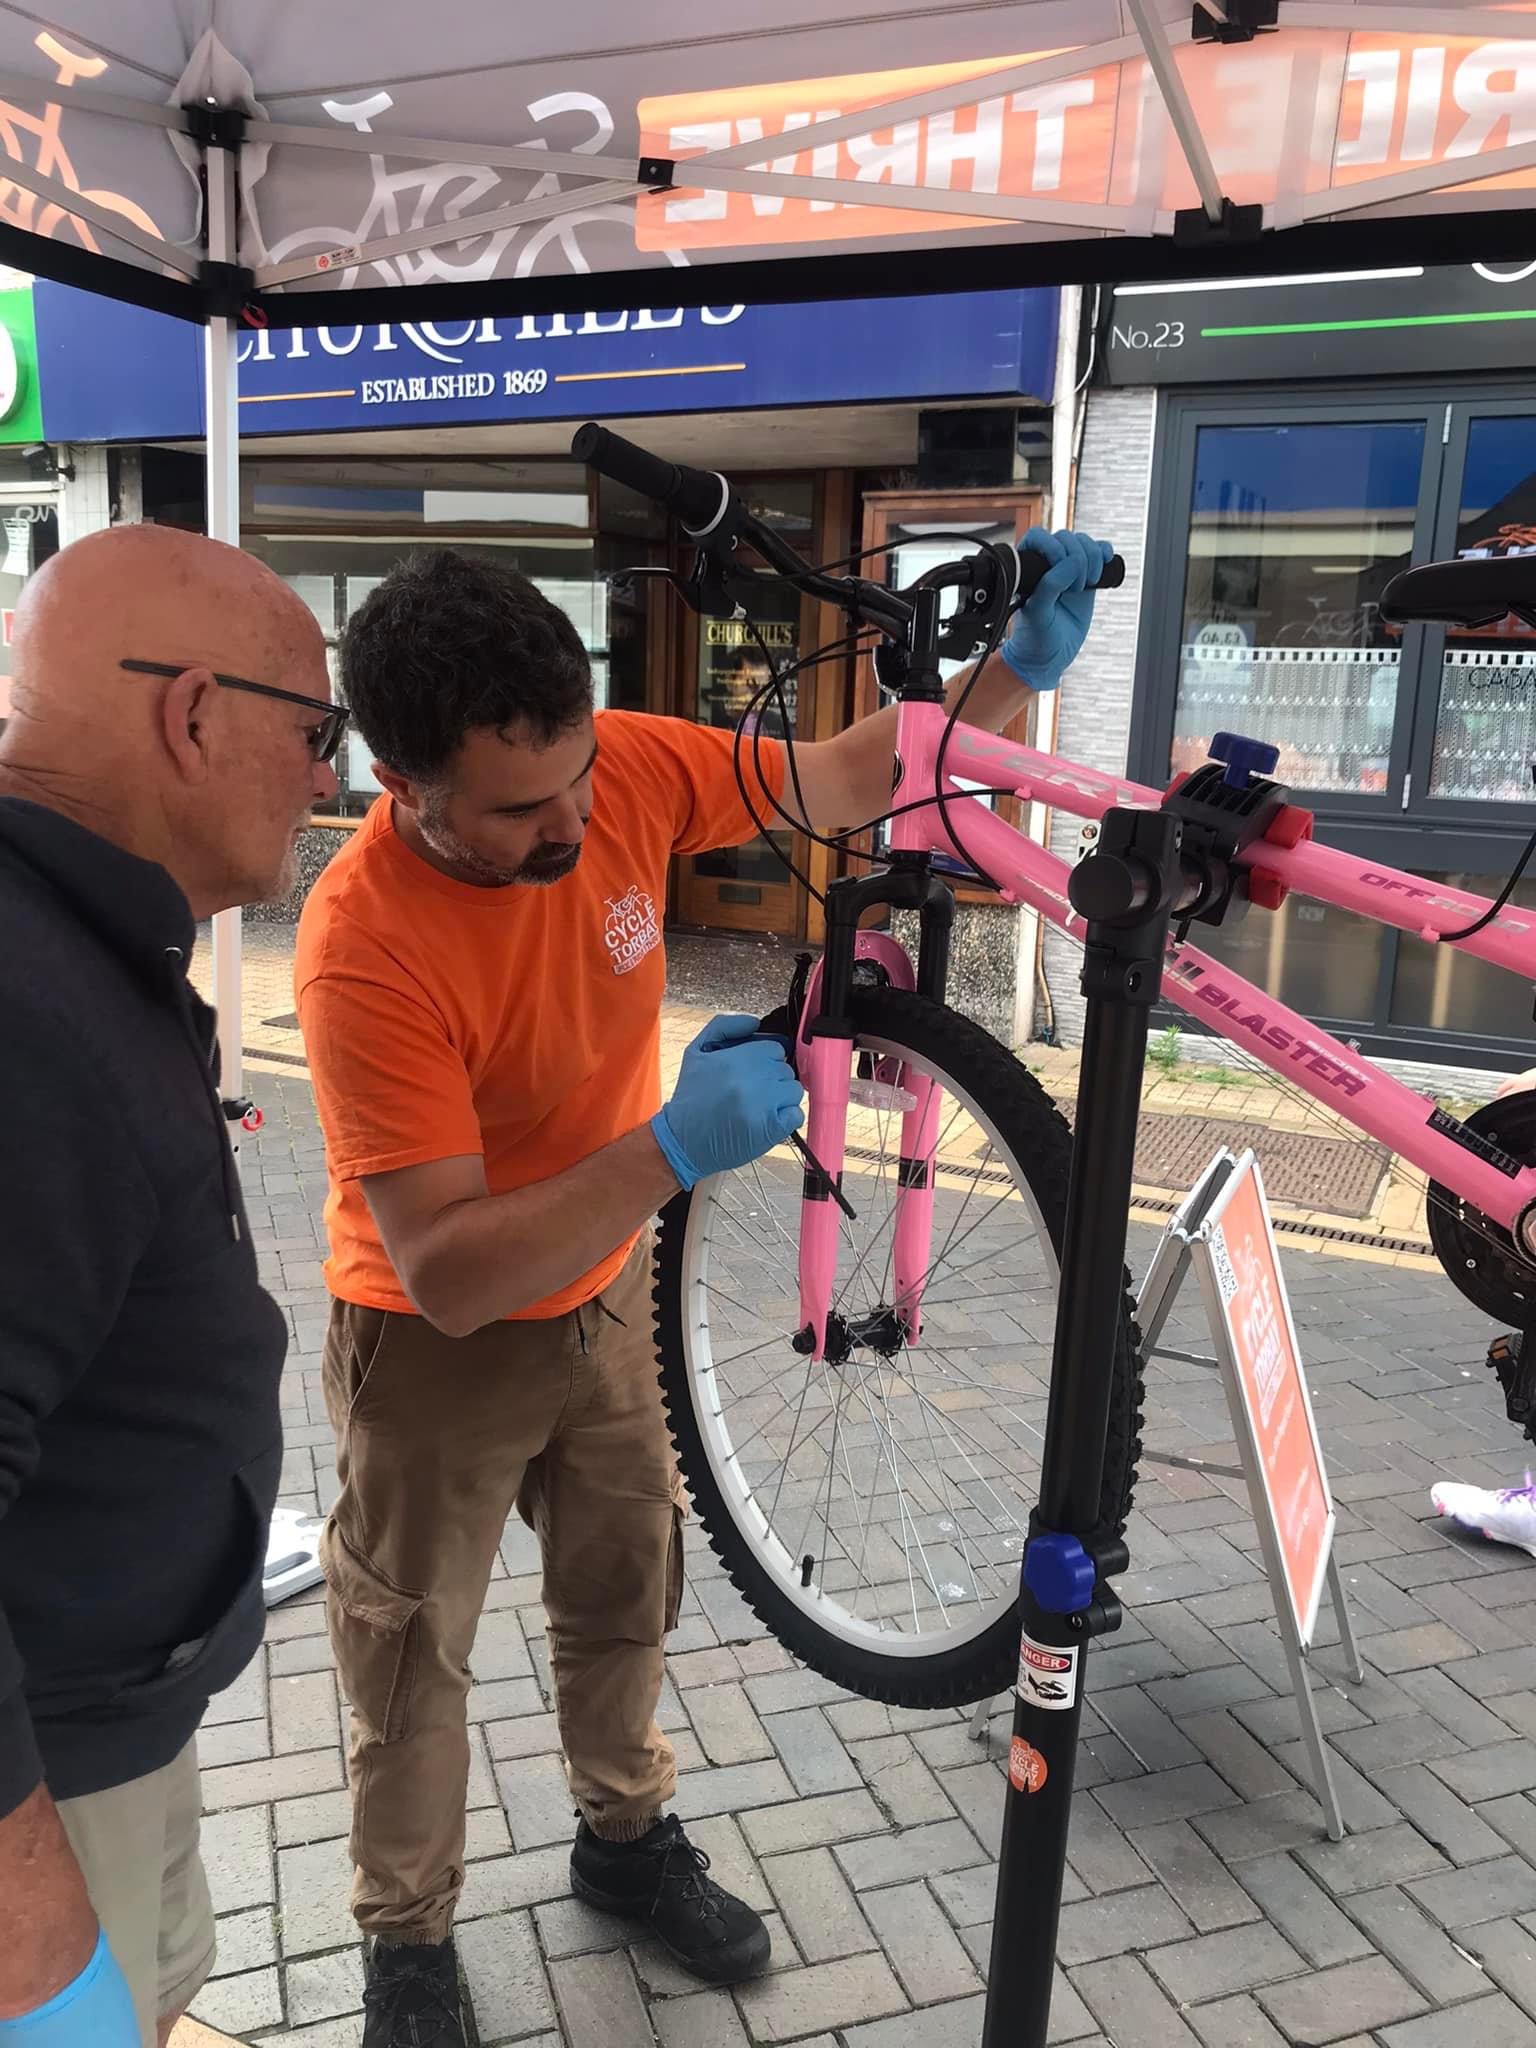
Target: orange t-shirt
x=521 y=1023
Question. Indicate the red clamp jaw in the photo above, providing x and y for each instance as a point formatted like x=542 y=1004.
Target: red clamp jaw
x=1289 y=827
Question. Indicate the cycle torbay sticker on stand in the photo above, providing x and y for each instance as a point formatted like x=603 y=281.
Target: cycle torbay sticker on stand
x=1047 y=1675
x=1027 y=1768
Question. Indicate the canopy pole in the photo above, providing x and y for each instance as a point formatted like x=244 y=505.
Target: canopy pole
x=1186 y=127
x=222 y=478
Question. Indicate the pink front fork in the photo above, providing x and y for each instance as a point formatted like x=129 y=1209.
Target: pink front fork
x=914 y=1197
x=825 y=1066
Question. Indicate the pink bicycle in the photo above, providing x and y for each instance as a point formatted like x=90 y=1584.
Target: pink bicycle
x=856 y=1343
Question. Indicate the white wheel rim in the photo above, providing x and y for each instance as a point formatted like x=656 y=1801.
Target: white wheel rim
x=724 y=1441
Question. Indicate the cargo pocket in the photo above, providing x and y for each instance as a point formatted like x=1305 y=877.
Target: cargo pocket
x=375 y=1633
x=675 y=1554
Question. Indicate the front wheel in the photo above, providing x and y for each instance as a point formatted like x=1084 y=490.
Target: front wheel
x=872 y=1510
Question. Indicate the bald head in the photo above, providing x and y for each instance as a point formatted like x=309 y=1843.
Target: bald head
x=210 y=782
x=150 y=593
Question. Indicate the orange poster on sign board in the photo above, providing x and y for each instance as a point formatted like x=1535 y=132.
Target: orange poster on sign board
x=1283 y=1453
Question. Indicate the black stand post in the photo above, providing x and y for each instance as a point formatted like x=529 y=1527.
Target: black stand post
x=1127 y=890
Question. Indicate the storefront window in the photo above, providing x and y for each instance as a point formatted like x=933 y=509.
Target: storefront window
x=403 y=496
x=1438 y=988
x=1294 y=533
x=334 y=576
x=737 y=659
x=1322 y=961
x=1485 y=722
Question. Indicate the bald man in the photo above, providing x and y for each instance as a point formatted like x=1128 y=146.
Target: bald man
x=170 y=725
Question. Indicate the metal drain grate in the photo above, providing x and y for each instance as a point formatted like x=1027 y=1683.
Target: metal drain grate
x=1319 y=1233
x=1227 y=1133
x=1336 y=1175
x=1340 y=1176
x=283 y=1059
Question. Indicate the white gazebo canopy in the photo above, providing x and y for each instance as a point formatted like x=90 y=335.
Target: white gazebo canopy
x=278 y=163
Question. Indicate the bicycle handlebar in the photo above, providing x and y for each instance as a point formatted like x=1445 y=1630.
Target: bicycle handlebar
x=705 y=503
x=697 y=496
x=1032 y=567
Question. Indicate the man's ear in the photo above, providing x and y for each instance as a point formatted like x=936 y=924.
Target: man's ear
x=183 y=714
x=399 y=787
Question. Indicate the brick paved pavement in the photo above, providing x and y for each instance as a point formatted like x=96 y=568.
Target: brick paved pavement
x=1204 y=1908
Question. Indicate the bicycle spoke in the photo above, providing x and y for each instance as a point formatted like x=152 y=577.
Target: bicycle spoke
x=724 y=1364
x=1010 y=1520
x=901 y=1503
x=793 y=1435
x=985 y=1217
x=959 y=1525
x=772 y=1213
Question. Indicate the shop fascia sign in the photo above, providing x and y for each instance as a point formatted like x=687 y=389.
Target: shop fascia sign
x=1410 y=320
x=403 y=350
x=20 y=419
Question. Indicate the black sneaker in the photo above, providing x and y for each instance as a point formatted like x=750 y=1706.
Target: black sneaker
x=662 y=1879
x=411 y=1996
x=1516 y=1368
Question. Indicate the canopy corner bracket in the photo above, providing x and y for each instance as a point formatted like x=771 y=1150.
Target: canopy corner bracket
x=214 y=127
x=1193 y=227
x=229 y=290
x=1233 y=21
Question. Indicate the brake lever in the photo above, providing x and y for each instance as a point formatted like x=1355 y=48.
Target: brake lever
x=992 y=582
x=721 y=588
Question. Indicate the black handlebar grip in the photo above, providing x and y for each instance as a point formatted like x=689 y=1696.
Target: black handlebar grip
x=696 y=496
x=1032 y=567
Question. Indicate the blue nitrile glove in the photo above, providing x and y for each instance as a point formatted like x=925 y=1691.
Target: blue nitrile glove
x=1051 y=625
x=736 y=1098
x=96 y=2008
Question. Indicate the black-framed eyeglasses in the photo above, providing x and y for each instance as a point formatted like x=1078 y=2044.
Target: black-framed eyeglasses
x=323 y=741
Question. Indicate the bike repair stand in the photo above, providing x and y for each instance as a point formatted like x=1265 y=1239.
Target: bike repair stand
x=1147 y=868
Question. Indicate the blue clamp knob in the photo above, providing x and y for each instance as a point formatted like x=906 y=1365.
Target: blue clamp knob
x=1059 y=1572
x=1243 y=758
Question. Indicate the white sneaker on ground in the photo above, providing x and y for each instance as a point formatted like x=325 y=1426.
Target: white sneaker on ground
x=1504 y=1517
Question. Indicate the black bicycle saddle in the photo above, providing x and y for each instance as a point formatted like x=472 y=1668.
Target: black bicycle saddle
x=1477 y=591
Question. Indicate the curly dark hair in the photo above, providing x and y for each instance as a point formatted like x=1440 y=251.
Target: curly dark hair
x=449 y=643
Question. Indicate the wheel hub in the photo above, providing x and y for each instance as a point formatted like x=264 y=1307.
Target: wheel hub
x=880 y=1331
x=1480 y=1257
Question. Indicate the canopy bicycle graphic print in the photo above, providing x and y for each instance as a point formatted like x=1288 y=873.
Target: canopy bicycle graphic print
x=37 y=141
x=404 y=204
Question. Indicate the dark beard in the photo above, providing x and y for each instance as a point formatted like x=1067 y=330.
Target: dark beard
x=553 y=865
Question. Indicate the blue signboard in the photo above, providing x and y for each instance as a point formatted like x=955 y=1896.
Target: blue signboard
x=112 y=372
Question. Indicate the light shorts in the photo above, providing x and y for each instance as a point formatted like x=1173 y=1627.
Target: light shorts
x=137 y=1845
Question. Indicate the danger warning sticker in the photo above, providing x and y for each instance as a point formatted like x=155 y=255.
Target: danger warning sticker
x=1047 y=1676
x=1027 y=1770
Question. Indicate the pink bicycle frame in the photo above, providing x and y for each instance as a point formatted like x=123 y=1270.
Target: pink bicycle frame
x=1387 y=1109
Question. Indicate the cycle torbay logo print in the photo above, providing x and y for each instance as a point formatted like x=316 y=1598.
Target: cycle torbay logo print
x=632 y=929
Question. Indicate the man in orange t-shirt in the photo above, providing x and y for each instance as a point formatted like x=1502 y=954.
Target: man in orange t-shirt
x=480 y=978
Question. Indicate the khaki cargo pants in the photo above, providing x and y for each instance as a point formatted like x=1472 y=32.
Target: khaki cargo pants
x=438 y=1438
